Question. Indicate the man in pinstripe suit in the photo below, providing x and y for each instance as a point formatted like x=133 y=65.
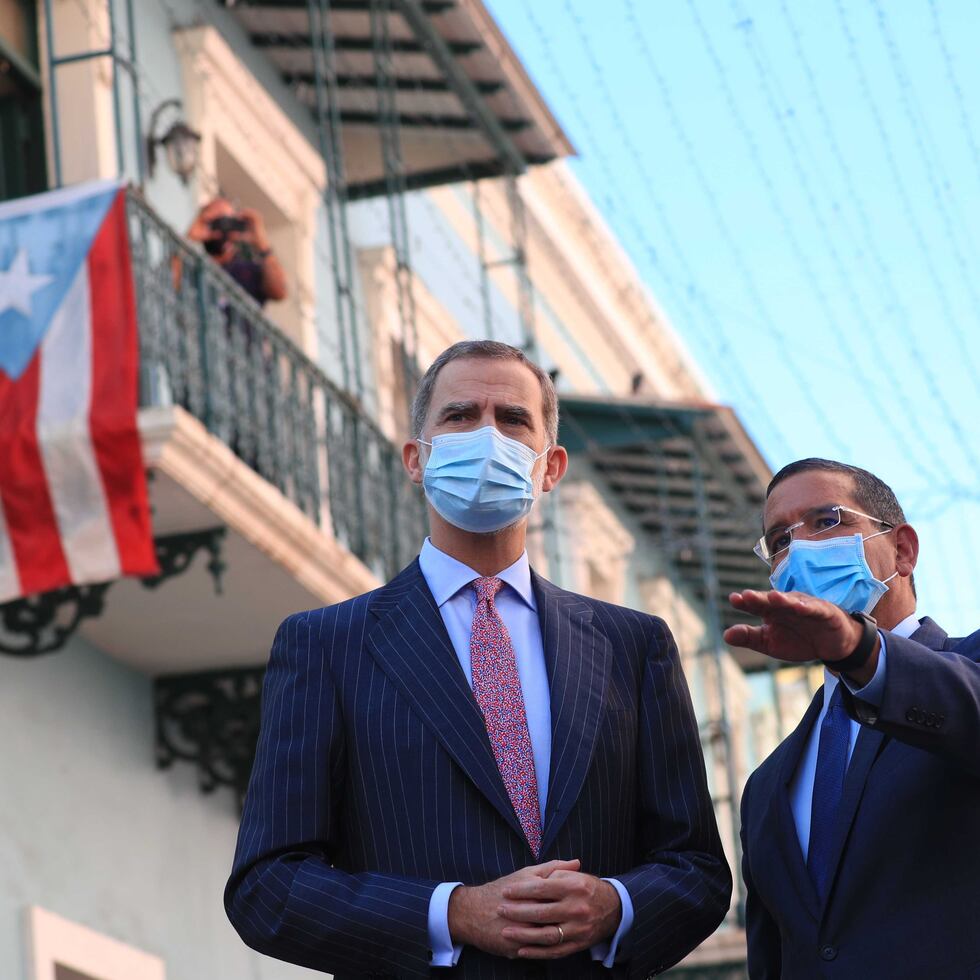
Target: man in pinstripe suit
x=470 y=772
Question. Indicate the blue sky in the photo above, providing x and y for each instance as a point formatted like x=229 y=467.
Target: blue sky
x=798 y=184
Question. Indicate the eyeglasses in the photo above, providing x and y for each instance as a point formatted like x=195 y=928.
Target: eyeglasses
x=815 y=522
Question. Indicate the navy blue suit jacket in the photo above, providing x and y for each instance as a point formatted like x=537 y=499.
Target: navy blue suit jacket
x=904 y=898
x=374 y=780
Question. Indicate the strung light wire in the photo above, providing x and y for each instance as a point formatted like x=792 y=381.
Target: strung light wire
x=949 y=315
x=716 y=332
x=744 y=269
x=957 y=89
x=891 y=294
x=803 y=261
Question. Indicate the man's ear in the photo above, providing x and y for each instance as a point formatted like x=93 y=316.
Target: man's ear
x=412 y=461
x=906 y=549
x=555 y=467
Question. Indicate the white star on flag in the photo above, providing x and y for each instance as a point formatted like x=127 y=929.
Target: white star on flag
x=18 y=285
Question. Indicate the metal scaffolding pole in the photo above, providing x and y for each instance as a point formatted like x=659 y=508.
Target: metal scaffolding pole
x=394 y=178
x=516 y=259
x=481 y=251
x=335 y=191
x=118 y=60
x=525 y=291
x=511 y=157
x=715 y=648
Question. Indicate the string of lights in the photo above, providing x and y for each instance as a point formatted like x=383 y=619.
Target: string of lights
x=904 y=198
x=893 y=302
x=948 y=494
x=685 y=286
x=957 y=89
x=942 y=188
x=805 y=264
x=886 y=279
x=721 y=222
x=842 y=337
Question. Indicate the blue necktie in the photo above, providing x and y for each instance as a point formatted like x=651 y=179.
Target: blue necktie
x=828 y=785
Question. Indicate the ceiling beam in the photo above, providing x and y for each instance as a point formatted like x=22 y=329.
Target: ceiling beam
x=407 y=120
x=466 y=170
x=444 y=57
x=268 y=39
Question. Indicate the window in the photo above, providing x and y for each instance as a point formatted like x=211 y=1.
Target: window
x=22 y=160
x=67 y=973
x=64 y=950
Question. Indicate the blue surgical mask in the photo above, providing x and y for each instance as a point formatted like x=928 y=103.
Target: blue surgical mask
x=480 y=481
x=834 y=569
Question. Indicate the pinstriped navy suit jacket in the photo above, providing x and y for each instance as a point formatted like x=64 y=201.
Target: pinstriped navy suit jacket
x=374 y=780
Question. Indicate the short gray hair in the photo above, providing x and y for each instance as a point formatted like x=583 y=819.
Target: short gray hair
x=490 y=350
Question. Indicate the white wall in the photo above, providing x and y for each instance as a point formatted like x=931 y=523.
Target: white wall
x=91 y=830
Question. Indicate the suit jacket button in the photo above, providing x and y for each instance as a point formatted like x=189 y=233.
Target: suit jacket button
x=939 y=720
x=828 y=952
x=910 y=714
x=931 y=719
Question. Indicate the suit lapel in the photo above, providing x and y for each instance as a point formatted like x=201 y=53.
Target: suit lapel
x=577 y=657
x=931 y=635
x=789 y=841
x=869 y=744
x=410 y=644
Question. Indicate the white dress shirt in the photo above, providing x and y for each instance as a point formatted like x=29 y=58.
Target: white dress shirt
x=447 y=579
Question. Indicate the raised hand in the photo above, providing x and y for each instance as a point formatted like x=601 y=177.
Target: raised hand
x=795 y=627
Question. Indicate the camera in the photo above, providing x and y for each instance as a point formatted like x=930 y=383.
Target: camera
x=228 y=223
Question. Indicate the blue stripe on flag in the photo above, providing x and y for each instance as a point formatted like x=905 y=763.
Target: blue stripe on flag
x=56 y=233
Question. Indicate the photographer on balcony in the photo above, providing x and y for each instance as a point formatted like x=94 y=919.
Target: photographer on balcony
x=237 y=241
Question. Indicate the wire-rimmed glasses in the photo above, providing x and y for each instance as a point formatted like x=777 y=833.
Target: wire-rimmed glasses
x=817 y=521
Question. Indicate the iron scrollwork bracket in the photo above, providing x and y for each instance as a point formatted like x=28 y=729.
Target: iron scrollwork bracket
x=175 y=552
x=43 y=623
x=212 y=720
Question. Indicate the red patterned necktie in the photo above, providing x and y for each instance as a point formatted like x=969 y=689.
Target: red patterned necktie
x=497 y=688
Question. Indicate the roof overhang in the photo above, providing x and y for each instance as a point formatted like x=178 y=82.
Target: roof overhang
x=692 y=479
x=464 y=106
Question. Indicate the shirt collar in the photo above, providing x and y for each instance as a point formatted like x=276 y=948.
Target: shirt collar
x=907 y=626
x=446 y=575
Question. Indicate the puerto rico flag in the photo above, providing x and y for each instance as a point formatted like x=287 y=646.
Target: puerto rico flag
x=73 y=497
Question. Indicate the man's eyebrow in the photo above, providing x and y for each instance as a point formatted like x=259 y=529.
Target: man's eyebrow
x=513 y=410
x=452 y=408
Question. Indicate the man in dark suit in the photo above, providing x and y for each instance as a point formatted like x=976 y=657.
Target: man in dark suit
x=471 y=772
x=859 y=833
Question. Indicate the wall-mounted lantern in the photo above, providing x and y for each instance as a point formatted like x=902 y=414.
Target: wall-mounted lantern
x=180 y=143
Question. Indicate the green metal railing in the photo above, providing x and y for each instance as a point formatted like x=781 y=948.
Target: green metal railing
x=205 y=345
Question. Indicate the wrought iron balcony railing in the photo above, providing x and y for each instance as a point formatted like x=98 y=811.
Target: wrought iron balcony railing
x=205 y=345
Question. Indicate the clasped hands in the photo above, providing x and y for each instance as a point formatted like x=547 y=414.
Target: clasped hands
x=543 y=912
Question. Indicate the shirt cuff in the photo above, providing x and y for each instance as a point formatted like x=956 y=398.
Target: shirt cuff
x=606 y=952
x=874 y=691
x=444 y=951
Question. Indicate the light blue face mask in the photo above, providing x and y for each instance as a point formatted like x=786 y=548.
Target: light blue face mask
x=480 y=481
x=834 y=569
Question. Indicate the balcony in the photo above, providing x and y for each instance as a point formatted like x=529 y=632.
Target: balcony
x=242 y=430
x=206 y=347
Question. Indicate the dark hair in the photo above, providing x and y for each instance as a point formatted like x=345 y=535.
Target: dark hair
x=871 y=493
x=490 y=349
